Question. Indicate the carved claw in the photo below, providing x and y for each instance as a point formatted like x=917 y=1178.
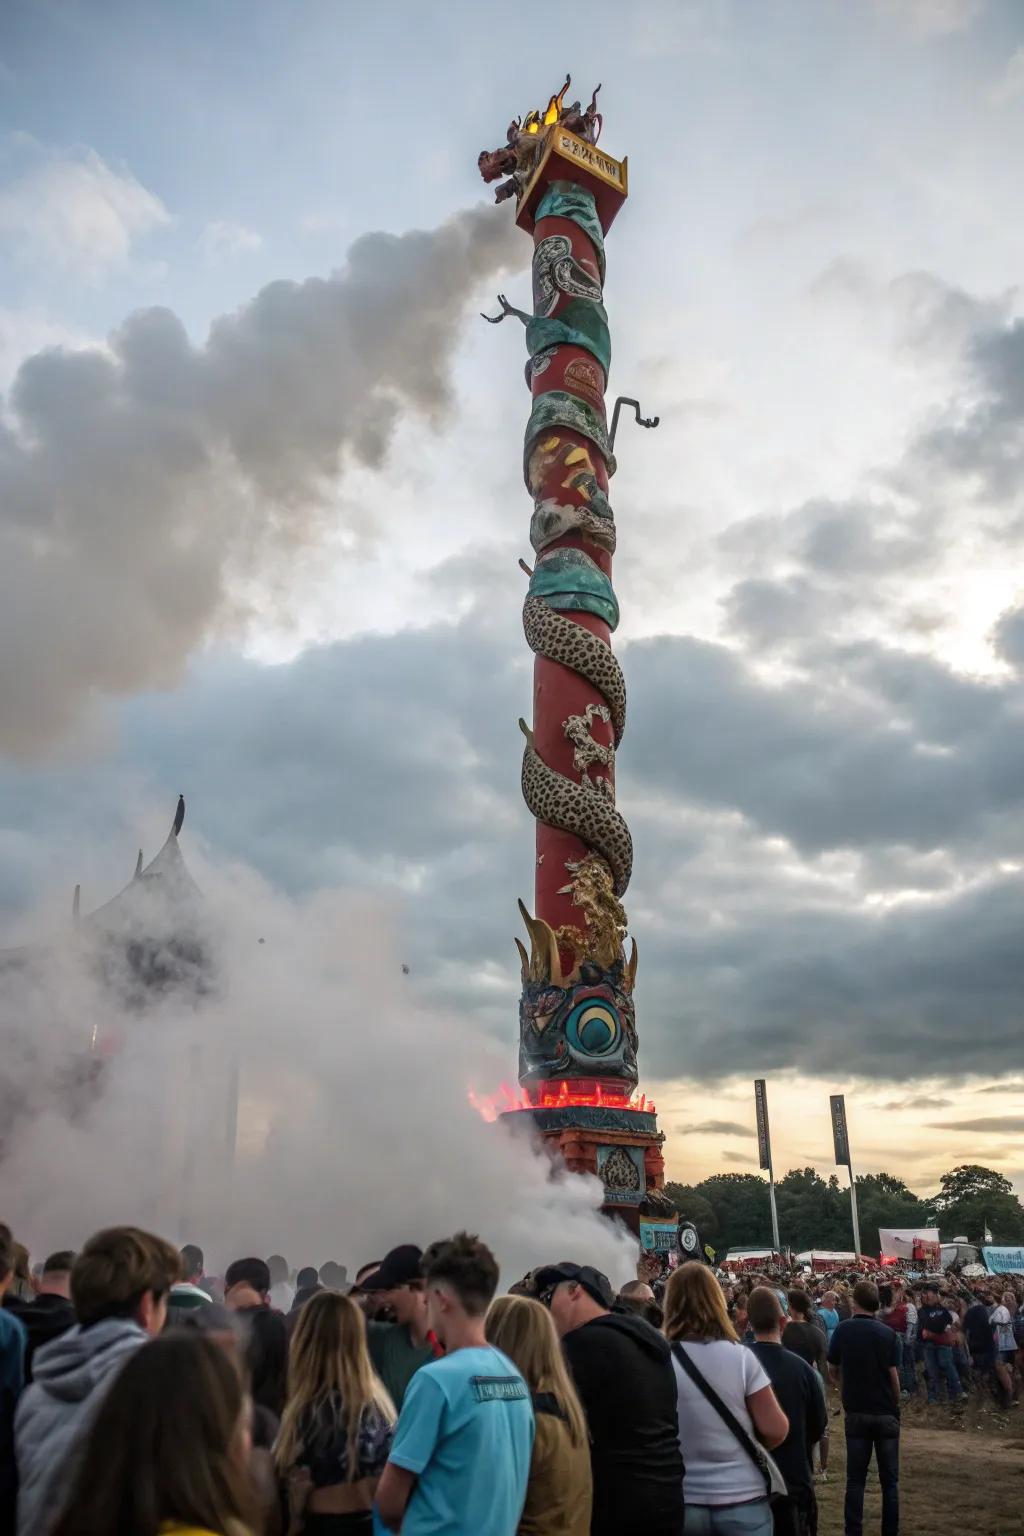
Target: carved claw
x=641 y=421
x=506 y=310
x=524 y=567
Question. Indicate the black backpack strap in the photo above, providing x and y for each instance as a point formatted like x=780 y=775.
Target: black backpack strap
x=546 y=1402
x=726 y=1414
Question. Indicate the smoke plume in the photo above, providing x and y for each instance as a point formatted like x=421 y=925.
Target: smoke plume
x=142 y=484
x=354 y=1128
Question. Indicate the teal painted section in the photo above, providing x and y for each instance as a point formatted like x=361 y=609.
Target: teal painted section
x=582 y=323
x=560 y=409
x=586 y=1116
x=569 y=580
x=565 y=200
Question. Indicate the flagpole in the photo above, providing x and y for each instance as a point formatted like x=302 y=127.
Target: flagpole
x=764 y=1144
x=841 y=1142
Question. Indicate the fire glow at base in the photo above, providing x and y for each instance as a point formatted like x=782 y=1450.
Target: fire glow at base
x=577 y=1094
x=578 y=1072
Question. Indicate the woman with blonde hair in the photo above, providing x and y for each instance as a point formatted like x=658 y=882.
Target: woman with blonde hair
x=559 y=1493
x=337 y=1424
x=725 y=1484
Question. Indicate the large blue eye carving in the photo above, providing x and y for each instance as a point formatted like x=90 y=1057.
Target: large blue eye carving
x=593 y=1028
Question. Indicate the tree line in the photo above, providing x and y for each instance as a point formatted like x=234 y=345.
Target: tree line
x=732 y=1210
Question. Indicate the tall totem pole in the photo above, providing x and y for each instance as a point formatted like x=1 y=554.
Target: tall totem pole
x=577 y=1039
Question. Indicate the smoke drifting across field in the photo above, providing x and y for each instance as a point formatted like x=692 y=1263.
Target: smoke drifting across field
x=144 y=484
x=354 y=1130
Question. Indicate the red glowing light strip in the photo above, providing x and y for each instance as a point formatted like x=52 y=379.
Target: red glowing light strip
x=585 y=1094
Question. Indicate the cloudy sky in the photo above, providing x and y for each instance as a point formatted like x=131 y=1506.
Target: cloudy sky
x=261 y=507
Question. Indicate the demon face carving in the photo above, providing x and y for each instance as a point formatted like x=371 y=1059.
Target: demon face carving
x=584 y=1028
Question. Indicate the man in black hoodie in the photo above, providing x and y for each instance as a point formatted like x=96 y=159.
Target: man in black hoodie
x=51 y=1313
x=622 y=1368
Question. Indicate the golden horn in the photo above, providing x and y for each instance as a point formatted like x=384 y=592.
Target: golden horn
x=545 y=962
x=631 y=967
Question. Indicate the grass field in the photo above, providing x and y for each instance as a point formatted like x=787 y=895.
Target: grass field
x=961 y=1472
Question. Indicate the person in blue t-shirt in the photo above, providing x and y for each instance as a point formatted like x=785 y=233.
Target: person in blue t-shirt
x=828 y=1314
x=460 y=1459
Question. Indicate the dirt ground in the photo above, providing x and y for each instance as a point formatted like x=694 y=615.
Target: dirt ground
x=961 y=1472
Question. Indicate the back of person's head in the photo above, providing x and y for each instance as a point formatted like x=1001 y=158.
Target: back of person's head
x=329 y=1365
x=764 y=1309
x=636 y=1290
x=306 y=1278
x=60 y=1263
x=278 y=1267
x=7 y=1253
x=22 y=1268
x=885 y=1295
x=332 y=1275
x=365 y=1271
x=524 y=1331
x=828 y=1300
x=865 y=1295
x=694 y=1305
x=251 y=1272
x=192 y=1261
x=168 y=1446
x=799 y=1303
x=465 y=1268
x=117 y=1268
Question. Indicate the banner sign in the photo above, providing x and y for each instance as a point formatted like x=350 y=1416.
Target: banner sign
x=658 y=1236
x=840 y=1135
x=764 y=1144
x=904 y=1242
x=926 y=1253
x=1003 y=1261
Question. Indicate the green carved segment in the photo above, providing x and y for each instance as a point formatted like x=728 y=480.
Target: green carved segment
x=557 y=408
x=582 y=323
x=568 y=580
x=566 y=200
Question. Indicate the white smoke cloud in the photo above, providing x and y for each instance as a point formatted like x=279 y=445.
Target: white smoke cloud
x=143 y=485
x=354 y=1128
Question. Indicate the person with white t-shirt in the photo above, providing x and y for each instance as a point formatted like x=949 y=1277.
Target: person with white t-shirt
x=723 y=1488
x=1002 y=1330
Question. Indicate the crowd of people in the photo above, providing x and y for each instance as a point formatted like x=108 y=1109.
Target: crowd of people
x=141 y=1395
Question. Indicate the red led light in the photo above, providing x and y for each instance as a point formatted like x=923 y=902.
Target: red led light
x=583 y=1093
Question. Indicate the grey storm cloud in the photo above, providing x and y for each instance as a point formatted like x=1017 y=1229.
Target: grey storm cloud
x=918 y=1101
x=728 y=1156
x=716 y=1128
x=911 y=755
x=141 y=483
x=826 y=565
x=1013 y=1085
x=992 y=1125
x=1008 y=637
x=413 y=788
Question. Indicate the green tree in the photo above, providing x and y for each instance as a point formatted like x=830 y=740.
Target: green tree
x=741 y=1208
x=971 y=1197
x=812 y=1213
x=694 y=1207
x=885 y=1201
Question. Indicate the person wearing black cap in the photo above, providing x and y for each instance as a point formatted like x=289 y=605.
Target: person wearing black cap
x=398 y=1349
x=622 y=1368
